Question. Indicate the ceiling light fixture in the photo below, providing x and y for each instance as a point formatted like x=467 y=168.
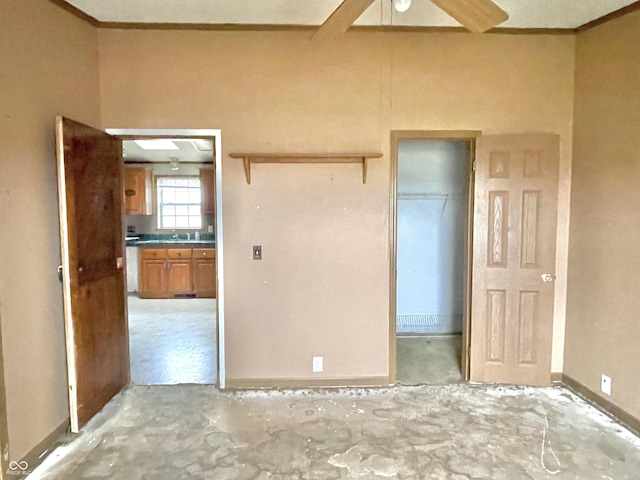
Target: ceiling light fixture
x=174 y=164
x=401 y=5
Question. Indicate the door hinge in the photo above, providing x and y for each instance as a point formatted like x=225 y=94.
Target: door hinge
x=473 y=166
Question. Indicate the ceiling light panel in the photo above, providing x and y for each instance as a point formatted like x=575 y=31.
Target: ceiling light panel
x=157 y=144
x=203 y=145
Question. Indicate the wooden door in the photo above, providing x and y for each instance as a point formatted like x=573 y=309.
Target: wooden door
x=90 y=200
x=514 y=252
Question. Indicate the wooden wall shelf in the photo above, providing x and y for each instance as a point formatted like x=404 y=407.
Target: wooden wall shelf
x=250 y=158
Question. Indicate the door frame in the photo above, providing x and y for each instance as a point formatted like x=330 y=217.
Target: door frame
x=4 y=420
x=215 y=135
x=396 y=136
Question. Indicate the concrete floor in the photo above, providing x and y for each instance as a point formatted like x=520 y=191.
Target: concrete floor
x=172 y=341
x=429 y=360
x=456 y=432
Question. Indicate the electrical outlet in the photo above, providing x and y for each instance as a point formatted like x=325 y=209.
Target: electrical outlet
x=316 y=364
x=210 y=228
x=605 y=384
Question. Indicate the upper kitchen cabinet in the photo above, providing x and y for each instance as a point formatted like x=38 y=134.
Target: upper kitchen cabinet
x=137 y=191
x=207 y=183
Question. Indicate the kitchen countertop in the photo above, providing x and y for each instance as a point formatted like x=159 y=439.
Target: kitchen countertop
x=164 y=243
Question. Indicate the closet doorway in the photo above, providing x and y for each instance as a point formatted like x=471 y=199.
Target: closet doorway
x=432 y=182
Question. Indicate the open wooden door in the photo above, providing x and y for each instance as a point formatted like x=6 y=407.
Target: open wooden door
x=514 y=254
x=90 y=198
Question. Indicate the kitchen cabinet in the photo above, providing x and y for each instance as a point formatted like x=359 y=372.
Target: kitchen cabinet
x=153 y=279
x=204 y=272
x=179 y=279
x=207 y=184
x=167 y=272
x=137 y=191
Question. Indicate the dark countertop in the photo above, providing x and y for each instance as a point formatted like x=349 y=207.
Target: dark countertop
x=165 y=243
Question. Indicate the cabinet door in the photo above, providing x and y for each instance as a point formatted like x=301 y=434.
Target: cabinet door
x=137 y=182
x=153 y=279
x=204 y=278
x=207 y=184
x=179 y=277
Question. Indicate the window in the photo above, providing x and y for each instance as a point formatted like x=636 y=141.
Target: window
x=179 y=202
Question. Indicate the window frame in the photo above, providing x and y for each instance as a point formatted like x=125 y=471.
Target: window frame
x=158 y=205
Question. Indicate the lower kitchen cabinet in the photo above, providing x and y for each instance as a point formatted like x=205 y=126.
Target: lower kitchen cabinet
x=167 y=272
x=179 y=278
x=204 y=272
x=153 y=279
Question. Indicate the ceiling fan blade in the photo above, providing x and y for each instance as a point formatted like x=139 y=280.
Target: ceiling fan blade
x=476 y=15
x=341 y=18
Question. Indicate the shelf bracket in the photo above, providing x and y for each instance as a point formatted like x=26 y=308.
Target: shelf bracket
x=364 y=169
x=247 y=169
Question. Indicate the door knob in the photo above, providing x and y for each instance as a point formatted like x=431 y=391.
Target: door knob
x=547 y=277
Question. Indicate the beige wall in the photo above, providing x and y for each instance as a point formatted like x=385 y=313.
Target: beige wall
x=322 y=288
x=48 y=66
x=604 y=273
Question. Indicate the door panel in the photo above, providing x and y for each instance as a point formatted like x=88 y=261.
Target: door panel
x=204 y=278
x=514 y=246
x=179 y=280
x=153 y=278
x=90 y=198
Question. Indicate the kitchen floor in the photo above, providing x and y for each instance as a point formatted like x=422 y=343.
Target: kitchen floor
x=429 y=360
x=172 y=341
x=454 y=432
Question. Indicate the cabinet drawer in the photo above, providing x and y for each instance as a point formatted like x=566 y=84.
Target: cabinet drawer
x=204 y=253
x=154 y=253
x=177 y=253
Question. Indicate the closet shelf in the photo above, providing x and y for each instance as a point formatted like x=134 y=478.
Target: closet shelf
x=250 y=158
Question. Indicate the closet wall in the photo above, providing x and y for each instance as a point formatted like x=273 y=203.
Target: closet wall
x=432 y=221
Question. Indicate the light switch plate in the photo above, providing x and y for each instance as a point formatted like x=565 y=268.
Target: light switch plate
x=257 y=252
x=316 y=364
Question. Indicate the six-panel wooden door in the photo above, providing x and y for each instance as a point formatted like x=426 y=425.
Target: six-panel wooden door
x=514 y=255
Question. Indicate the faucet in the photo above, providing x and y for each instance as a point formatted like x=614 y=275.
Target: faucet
x=175 y=236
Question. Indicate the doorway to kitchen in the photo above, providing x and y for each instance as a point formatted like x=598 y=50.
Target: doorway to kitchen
x=173 y=257
x=431 y=198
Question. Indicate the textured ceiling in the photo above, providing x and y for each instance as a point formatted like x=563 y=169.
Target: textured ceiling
x=523 y=13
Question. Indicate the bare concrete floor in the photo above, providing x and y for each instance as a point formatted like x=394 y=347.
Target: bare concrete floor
x=172 y=340
x=456 y=432
x=429 y=360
